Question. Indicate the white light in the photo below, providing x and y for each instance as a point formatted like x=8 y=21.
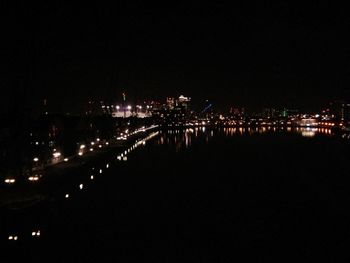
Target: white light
x=10 y=180
x=92 y=177
x=56 y=154
x=66 y=196
x=100 y=146
x=107 y=165
x=100 y=171
x=92 y=143
x=82 y=146
x=81 y=186
x=117 y=107
x=107 y=143
x=15 y=237
x=10 y=237
x=125 y=158
x=36 y=159
x=98 y=139
x=91 y=149
x=80 y=153
x=33 y=178
x=129 y=107
x=36 y=233
x=66 y=159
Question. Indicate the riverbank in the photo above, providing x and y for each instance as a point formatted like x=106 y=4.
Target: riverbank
x=55 y=177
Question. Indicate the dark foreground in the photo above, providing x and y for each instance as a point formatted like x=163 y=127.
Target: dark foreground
x=200 y=196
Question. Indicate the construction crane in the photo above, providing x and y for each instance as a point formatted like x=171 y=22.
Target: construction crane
x=207 y=107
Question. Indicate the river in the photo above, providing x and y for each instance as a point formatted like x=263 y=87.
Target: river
x=196 y=195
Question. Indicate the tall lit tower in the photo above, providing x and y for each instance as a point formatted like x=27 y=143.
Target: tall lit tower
x=45 y=107
x=123 y=105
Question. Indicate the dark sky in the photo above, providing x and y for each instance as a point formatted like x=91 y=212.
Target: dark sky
x=252 y=54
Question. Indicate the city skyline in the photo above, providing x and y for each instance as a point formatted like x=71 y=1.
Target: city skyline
x=258 y=55
x=187 y=131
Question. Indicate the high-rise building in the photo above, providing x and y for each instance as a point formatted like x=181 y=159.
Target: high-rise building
x=345 y=113
x=184 y=101
x=269 y=113
x=170 y=102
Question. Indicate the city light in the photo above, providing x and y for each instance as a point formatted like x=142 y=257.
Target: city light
x=56 y=154
x=36 y=233
x=33 y=178
x=10 y=180
x=15 y=238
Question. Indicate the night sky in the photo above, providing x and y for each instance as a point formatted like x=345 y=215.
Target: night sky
x=245 y=55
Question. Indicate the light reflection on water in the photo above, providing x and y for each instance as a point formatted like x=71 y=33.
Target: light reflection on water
x=181 y=139
x=17 y=228
x=309 y=132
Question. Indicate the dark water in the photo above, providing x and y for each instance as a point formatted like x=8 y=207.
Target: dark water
x=197 y=195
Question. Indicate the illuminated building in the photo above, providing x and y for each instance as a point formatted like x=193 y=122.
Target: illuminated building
x=170 y=102
x=307 y=122
x=174 y=112
x=184 y=101
x=345 y=113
